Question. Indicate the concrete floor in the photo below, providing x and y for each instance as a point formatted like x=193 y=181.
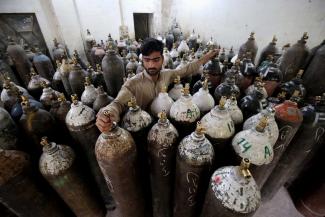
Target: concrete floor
x=281 y=205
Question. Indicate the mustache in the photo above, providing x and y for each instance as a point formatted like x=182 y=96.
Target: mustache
x=152 y=69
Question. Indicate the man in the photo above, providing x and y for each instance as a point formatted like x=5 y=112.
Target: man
x=146 y=85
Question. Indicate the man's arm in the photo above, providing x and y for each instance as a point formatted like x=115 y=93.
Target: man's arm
x=194 y=66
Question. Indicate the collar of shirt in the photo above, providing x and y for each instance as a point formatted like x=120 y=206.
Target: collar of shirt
x=145 y=74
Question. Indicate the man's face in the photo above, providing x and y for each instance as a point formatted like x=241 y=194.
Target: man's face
x=153 y=63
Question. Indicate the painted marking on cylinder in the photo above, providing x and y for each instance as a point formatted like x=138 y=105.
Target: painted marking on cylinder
x=267 y=152
x=319 y=133
x=163 y=161
x=192 y=180
x=244 y=144
x=283 y=132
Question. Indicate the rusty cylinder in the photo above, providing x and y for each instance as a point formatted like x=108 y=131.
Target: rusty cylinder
x=19 y=190
x=162 y=140
x=232 y=192
x=57 y=164
x=117 y=156
x=289 y=118
x=194 y=161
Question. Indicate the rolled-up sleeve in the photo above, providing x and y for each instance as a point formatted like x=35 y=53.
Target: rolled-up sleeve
x=119 y=104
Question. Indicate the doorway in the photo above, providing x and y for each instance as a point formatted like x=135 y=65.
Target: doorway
x=142 y=25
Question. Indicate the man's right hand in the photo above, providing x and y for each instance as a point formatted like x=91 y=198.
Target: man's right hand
x=104 y=122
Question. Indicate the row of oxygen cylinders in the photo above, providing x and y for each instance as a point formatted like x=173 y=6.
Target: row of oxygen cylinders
x=78 y=123
x=196 y=157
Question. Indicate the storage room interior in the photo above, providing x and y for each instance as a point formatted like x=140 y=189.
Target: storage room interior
x=162 y=108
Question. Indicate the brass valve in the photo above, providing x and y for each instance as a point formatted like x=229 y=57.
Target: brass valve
x=274 y=39
x=205 y=84
x=87 y=81
x=32 y=72
x=163 y=89
x=262 y=124
x=252 y=35
x=44 y=84
x=200 y=129
x=186 y=89
x=300 y=73
x=61 y=98
x=305 y=36
x=74 y=99
x=162 y=116
x=58 y=64
x=282 y=95
x=44 y=141
x=244 y=168
x=25 y=101
x=222 y=102
x=132 y=103
x=74 y=61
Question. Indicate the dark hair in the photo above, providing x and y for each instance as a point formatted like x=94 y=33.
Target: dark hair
x=150 y=45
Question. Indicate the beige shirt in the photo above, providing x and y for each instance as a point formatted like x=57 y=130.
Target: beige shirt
x=145 y=89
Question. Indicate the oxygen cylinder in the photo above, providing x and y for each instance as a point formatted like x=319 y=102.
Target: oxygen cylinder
x=176 y=92
x=253 y=103
x=254 y=144
x=162 y=139
x=203 y=99
x=308 y=138
x=20 y=60
x=249 y=46
x=43 y=65
x=8 y=131
x=232 y=192
x=19 y=189
x=76 y=78
x=288 y=118
x=113 y=71
x=57 y=83
x=195 y=156
x=34 y=86
x=294 y=58
x=272 y=77
x=271 y=129
x=48 y=96
x=65 y=71
x=161 y=102
x=227 y=89
x=89 y=95
x=35 y=124
x=270 y=49
x=102 y=99
x=314 y=74
x=219 y=130
x=80 y=121
x=138 y=123
x=58 y=166
x=117 y=156
x=184 y=113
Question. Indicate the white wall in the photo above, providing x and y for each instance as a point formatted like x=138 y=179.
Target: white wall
x=231 y=21
x=228 y=21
